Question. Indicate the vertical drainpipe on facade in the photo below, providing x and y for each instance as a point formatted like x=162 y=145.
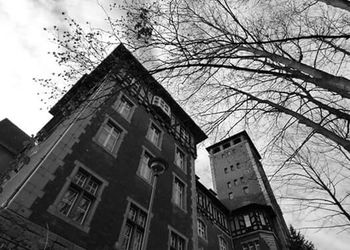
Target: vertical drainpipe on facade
x=18 y=190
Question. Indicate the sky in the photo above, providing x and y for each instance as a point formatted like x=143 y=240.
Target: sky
x=24 y=48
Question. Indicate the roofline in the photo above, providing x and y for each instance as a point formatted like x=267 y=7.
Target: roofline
x=244 y=133
x=119 y=52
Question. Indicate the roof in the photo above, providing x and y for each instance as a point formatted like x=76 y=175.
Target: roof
x=12 y=137
x=243 y=133
x=124 y=55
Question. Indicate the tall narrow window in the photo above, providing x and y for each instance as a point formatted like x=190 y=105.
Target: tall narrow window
x=180 y=158
x=202 y=230
x=144 y=170
x=179 y=194
x=177 y=242
x=125 y=107
x=154 y=135
x=247 y=220
x=230 y=195
x=229 y=184
x=222 y=243
x=134 y=228
x=110 y=136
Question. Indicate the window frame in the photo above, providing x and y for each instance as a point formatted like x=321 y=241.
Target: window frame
x=118 y=102
x=184 y=202
x=53 y=209
x=123 y=132
x=178 y=234
x=222 y=240
x=131 y=202
x=184 y=167
x=161 y=133
x=204 y=229
x=144 y=151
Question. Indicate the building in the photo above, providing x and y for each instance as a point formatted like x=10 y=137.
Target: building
x=12 y=142
x=87 y=184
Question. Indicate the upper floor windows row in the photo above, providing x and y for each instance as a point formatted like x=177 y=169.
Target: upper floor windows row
x=211 y=210
x=147 y=97
x=251 y=221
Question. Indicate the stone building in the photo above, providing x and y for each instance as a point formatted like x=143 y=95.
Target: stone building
x=88 y=184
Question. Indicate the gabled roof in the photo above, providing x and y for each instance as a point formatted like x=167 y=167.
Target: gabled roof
x=12 y=137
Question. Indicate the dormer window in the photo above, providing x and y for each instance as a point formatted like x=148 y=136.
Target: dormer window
x=159 y=102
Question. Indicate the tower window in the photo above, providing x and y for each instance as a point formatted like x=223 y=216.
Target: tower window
x=225 y=170
x=245 y=190
x=229 y=184
x=237 y=140
x=230 y=195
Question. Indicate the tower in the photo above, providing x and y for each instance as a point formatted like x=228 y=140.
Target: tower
x=242 y=186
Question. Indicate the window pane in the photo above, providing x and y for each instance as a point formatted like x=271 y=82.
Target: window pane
x=247 y=220
x=91 y=186
x=145 y=171
x=67 y=201
x=127 y=236
x=108 y=136
x=125 y=107
x=137 y=242
x=81 y=210
x=80 y=179
x=180 y=158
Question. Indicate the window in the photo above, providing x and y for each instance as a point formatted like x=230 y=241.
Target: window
x=125 y=107
x=222 y=243
x=252 y=245
x=247 y=220
x=158 y=101
x=225 y=170
x=230 y=195
x=236 y=141
x=110 y=136
x=144 y=170
x=179 y=193
x=245 y=190
x=180 y=158
x=231 y=167
x=226 y=145
x=154 y=134
x=235 y=182
x=242 y=179
x=134 y=228
x=177 y=242
x=202 y=231
x=229 y=184
x=79 y=197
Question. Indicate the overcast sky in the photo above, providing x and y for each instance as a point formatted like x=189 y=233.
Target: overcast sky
x=23 y=48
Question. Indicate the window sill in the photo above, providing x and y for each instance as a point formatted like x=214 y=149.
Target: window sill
x=149 y=183
x=179 y=208
x=82 y=227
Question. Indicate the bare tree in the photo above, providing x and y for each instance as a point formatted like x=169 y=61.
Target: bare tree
x=278 y=66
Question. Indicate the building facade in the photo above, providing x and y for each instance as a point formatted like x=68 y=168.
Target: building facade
x=87 y=183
